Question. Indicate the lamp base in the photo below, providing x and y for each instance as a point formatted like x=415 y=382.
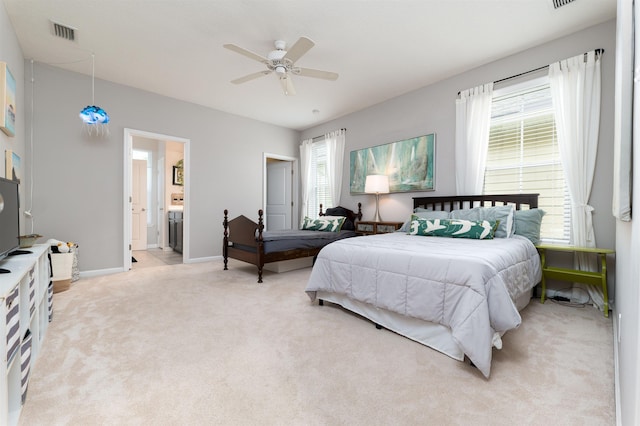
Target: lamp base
x=377 y=218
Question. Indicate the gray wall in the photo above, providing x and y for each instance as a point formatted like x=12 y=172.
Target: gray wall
x=432 y=109
x=11 y=53
x=78 y=179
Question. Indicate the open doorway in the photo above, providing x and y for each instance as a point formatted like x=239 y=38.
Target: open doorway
x=156 y=187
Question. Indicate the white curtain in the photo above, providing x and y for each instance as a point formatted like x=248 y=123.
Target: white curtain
x=575 y=90
x=473 y=120
x=305 y=175
x=335 y=159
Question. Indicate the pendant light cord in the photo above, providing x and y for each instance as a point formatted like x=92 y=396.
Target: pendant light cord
x=28 y=212
x=93 y=78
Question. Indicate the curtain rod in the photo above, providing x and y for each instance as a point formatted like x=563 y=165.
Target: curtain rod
x=599 y=52
x=317 y=138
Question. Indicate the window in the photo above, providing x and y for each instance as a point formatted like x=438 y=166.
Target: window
x=319 y=181
x=523 y=153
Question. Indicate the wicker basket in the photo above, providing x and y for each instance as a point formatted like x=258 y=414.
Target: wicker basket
x=27 y=241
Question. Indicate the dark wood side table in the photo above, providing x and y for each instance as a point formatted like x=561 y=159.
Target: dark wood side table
x=365 y=227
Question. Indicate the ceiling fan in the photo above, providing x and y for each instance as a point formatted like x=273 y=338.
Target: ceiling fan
x=282 y=62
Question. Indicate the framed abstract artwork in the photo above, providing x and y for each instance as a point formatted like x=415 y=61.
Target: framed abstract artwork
x=7 y=100
x=408 y=163
x=178 y=175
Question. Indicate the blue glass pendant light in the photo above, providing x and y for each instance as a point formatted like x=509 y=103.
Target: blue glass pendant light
x=94 y=118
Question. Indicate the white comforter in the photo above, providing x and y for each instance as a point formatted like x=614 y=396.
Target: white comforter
x=466 y=285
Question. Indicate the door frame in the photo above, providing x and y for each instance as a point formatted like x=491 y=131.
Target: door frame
x=294 y=185
x=129 y=134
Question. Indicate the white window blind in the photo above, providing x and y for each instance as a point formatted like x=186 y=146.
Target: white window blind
x=319 y=183
x=523 y=155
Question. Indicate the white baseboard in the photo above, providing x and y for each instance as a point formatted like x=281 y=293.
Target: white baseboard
x=202 y=259
x=616 y=367
x=98 y=272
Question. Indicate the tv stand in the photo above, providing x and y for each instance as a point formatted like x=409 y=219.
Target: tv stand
x=26 y=307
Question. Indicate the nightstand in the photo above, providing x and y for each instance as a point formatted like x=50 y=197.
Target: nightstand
x=364 y=227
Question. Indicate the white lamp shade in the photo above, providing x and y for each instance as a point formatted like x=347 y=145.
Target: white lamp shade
x=377 y=184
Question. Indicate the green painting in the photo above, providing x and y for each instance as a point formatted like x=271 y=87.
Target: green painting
x=409 y=164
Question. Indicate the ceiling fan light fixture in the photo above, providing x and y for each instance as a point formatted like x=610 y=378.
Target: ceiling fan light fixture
x=276 y=55
x=282 y=63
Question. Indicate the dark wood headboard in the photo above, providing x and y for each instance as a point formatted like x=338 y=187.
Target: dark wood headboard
x=454 y=202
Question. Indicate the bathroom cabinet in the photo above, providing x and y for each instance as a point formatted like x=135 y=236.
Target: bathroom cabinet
x=175 y=230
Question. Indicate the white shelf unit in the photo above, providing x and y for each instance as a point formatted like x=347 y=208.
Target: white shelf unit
x=29 y=287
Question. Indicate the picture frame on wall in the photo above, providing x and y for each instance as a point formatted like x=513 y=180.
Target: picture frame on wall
x=178 y=175
x=12 y=165
x=7 y=100
x=409 y=164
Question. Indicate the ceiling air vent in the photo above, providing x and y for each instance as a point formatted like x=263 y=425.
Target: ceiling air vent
x=559 y=3
x=63 y=31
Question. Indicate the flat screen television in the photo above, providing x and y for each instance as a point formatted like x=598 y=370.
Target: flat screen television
x=9 y=217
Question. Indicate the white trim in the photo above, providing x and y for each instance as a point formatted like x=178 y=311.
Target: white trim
x=616 y=365
x=100 y=272
x=204 y=259
x=111 y=271
x=294 y=177
x=126 y=190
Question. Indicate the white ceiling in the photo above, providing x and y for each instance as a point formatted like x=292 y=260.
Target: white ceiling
x=380 y=48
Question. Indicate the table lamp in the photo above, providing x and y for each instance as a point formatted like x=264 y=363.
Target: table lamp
x=377 y=184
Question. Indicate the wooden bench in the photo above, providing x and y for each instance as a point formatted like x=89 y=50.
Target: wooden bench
x=576 y=275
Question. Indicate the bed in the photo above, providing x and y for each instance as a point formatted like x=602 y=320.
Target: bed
x=247 y=240
x=455 y=295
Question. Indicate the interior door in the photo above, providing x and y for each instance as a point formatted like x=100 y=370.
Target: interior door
x=139 y=205
x=162 y=217
x=279 y=208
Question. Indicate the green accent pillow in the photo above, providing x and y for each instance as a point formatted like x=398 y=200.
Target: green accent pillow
x=425 y=214
x=528 y=224
x=324 y=223
x=454 y=228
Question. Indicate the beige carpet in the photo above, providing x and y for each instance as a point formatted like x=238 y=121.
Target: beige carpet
x=195 y=345
x=155 y=257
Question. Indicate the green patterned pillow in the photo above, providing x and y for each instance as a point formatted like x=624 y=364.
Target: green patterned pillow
x=454 y=228
x=324 y=223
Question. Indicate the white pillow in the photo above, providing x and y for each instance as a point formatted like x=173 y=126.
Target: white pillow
x=504 y=214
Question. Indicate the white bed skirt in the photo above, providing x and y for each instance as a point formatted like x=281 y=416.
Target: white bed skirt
x=435 y=336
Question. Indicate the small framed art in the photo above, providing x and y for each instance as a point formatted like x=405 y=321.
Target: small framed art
x=178 y=175
x=7 y=100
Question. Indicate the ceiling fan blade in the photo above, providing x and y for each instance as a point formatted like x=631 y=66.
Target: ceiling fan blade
x=287 y=85
x=250 y=77
x=300 y=47
x=308 y=72
x=249 y=54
